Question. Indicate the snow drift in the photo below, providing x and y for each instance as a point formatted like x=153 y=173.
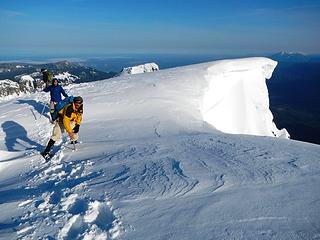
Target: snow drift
x=236 y=99
x=230 y=95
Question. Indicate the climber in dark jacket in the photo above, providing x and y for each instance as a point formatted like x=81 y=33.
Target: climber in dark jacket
x=55 y=93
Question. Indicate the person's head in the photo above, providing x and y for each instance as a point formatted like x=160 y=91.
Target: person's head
x=55 y=82
x=77 y=101
x=43 y=70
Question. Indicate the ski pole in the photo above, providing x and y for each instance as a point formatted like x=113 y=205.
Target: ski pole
x=44 y=106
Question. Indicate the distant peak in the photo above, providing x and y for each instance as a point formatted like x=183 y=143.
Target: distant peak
x=290 y=57
x=65 y=62
x=283 y=53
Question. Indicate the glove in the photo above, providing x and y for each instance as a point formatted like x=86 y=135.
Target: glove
x=76 y=128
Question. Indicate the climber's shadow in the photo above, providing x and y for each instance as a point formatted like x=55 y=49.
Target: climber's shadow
x=16 y=138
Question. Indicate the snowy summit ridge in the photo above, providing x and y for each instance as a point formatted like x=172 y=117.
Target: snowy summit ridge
x=151 y=161
x=230 y=95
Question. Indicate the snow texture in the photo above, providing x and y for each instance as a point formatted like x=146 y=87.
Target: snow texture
x=152 y=164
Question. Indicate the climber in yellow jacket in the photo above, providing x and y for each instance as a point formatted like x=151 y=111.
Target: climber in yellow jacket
x=69 y=120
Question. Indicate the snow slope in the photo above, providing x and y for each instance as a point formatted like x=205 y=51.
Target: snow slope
x=150 y=167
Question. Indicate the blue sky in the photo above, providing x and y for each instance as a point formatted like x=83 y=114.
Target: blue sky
x=47 y=27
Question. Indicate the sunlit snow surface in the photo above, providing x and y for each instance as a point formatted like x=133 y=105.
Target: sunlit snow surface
x=150 y=167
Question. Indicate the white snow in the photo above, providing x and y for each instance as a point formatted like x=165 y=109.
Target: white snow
x=143 y=68
x=236 y=99
x=71 y=227
x=25 y=230
x=25 y=203
x=154 y=162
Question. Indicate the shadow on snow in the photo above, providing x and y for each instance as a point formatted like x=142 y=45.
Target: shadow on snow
x=17 y=134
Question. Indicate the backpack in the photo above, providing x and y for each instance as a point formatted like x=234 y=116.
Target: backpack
x=47 y=76
x=59 y=106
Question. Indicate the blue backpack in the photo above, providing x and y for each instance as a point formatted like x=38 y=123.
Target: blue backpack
x=60 y=105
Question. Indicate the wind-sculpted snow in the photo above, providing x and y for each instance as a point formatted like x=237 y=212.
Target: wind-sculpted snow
x=159 y=178
x=150 y=167
x=237 y=101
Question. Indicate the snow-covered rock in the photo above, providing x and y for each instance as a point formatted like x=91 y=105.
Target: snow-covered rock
x=66 y=77
x=27 y=83
x=148 y=67
x=36 y=75
x=8 y=87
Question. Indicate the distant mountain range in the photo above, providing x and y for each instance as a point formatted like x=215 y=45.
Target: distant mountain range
x=83 y=73
x=16 y=78
x=294 y=57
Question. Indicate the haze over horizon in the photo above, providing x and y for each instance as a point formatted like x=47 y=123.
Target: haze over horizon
x=171 y=27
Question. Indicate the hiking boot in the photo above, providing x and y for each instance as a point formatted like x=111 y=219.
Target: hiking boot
x=48 y=148
x=46 y=155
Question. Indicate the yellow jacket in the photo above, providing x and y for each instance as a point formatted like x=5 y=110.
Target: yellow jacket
x=70 y=114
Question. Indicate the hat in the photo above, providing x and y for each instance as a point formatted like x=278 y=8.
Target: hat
x=78 y=99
